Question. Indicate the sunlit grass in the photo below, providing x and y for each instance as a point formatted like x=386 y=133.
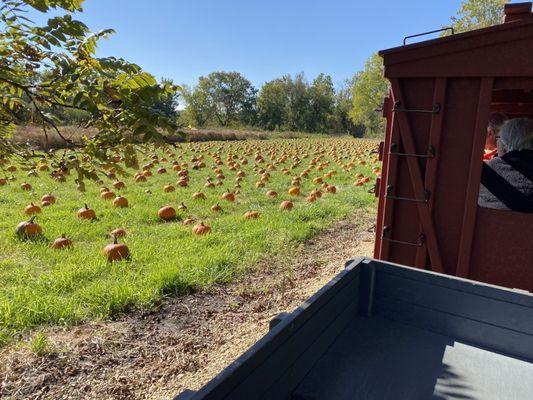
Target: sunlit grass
x=43 y=286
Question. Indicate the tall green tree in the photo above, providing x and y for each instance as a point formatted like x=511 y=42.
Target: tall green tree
x=117 y=96
x=321 y=104
x=167 y=105
x=229 y=97
x=298 y=102
x=342 y=123
x=368 y=91
x=272 y=104
x=476 y=14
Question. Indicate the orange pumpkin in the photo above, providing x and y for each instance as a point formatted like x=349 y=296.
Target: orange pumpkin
x=331 y=189
x=32 y=209
x=286 y=205
x=116 y=251
x=25 y=186
x=120 y=202
x=201 y=229
x=28 y=228
x=107 y=195
x=168 y=188
x=228 y=196
x=62 y=243
x=50 y=198
x=272 y=194
x=119 y=185
x=294 y=191
x=119 y=232
x=167 y=213
x=251 y=214
x=86 y=213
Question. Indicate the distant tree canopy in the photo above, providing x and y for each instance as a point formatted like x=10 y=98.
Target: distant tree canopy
x=284 y=103
x=46 y=70
x=222 y=98
x=477 y=14
x=368 y=91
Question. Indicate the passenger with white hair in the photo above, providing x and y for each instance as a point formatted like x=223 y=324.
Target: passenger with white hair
x=496 y=122
x=507 y=180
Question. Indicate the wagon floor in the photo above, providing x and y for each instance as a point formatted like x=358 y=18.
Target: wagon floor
x=375 y=358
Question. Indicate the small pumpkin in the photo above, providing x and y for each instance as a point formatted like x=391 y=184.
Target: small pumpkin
x=50 y=198
x=116 y=251
x=228 y=196
x=140 y=178
x=32 y=209
x=86 y=213
x=25 y=186
x=120 y=202
x=286 y=205
x=198 y=196
x=3 y=181
x=168 y=188
x=167 y=213
x=272 y=194
x=161 y=170
x=294 y=191
x=251 y=214
x=188 y=221
x=119 y=185
x=62 y=243
x=119 y=232
x=216 y=208
x=107 y=195
x=331 y=189
x=28 y=228
x=201 y=229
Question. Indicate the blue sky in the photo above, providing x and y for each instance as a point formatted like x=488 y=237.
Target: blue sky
x=262 y=39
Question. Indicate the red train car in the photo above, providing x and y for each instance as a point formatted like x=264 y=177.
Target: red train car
x=442 y=94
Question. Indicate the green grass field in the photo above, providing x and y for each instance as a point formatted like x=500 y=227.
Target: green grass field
x=42 y=286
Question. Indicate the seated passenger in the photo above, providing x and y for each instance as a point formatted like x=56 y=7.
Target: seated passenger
x=507 y=180
x=496 y=121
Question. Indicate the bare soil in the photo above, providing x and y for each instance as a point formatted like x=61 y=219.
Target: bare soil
x=187 y=340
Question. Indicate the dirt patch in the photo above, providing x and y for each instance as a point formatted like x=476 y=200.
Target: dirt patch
x=187 y=340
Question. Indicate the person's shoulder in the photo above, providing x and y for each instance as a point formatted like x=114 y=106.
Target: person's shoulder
x=496 y=162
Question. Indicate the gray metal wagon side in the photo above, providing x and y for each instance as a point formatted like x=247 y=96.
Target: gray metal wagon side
x=384 y=331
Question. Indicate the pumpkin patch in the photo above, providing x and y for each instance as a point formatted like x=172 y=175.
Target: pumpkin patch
x=226 y=204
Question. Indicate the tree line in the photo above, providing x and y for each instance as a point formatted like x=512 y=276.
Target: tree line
x=228 y=99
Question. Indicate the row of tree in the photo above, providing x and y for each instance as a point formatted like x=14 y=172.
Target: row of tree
x=228 y=99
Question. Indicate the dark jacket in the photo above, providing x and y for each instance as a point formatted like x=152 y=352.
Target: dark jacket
x=516 y=167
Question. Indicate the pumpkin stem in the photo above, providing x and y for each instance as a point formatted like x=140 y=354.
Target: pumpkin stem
x=86 y=206
x=31 y=219
x=63 y=236
x=115 y=240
